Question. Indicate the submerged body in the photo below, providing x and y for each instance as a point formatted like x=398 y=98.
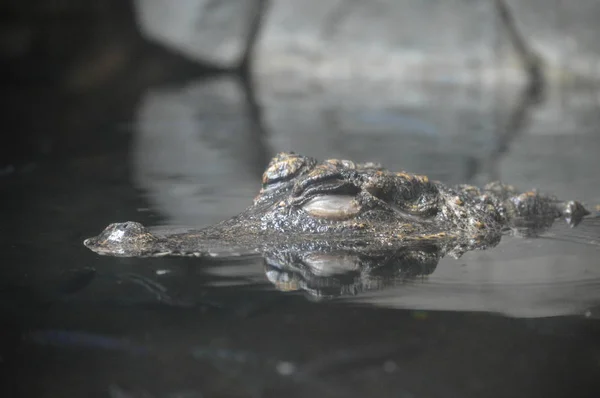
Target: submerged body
x=341 y=205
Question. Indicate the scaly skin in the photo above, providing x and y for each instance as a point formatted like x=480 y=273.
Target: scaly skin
x=306 y=205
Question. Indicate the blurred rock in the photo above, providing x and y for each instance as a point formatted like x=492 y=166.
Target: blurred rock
x=215 y=32
x=452 y=41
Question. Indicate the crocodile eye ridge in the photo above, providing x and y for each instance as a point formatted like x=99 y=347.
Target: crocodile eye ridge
x=282 y=167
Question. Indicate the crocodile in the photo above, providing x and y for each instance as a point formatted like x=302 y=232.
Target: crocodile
x=306 y=205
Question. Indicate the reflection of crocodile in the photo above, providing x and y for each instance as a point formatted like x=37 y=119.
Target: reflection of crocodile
x=325 y=274
x=340 y=205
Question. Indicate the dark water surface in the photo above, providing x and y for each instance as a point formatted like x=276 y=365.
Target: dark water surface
x=519 y=320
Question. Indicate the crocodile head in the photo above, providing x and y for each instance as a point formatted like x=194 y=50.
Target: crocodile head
x=301 y=196
x=305 y=202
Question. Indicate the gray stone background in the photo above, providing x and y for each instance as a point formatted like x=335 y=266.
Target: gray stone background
x=423 y=40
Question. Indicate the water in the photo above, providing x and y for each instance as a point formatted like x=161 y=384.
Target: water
x=516 y=320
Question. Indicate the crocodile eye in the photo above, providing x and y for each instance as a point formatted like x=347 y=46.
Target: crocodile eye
x=282 y=167
x=332 y=207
